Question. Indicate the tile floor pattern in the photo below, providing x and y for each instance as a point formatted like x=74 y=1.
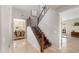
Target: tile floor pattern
x=69 y=45
x=22 y=46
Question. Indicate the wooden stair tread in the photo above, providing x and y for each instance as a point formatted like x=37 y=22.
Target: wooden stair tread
x=38 y=33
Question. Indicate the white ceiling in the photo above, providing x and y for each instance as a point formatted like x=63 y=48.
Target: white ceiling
x=66 y=7
x=55 y=6
x=28 y=8
x=70 y=14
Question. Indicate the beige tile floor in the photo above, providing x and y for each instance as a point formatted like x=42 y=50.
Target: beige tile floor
x=69 y=45
x=22 y=46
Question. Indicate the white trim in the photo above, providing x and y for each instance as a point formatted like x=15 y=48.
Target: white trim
x=60 y=33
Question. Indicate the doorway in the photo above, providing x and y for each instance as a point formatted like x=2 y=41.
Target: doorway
x=19 y=26
x=69 y=40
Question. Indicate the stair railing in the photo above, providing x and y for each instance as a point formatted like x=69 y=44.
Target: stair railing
x=43 y=12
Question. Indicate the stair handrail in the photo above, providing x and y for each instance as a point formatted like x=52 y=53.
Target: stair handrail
x=43 y=10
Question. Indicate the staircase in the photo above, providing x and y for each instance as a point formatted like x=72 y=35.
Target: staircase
x=41 y=38
x=43 y=41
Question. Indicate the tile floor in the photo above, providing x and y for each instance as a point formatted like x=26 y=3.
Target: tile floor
x=22 y=46
x=69 y=45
